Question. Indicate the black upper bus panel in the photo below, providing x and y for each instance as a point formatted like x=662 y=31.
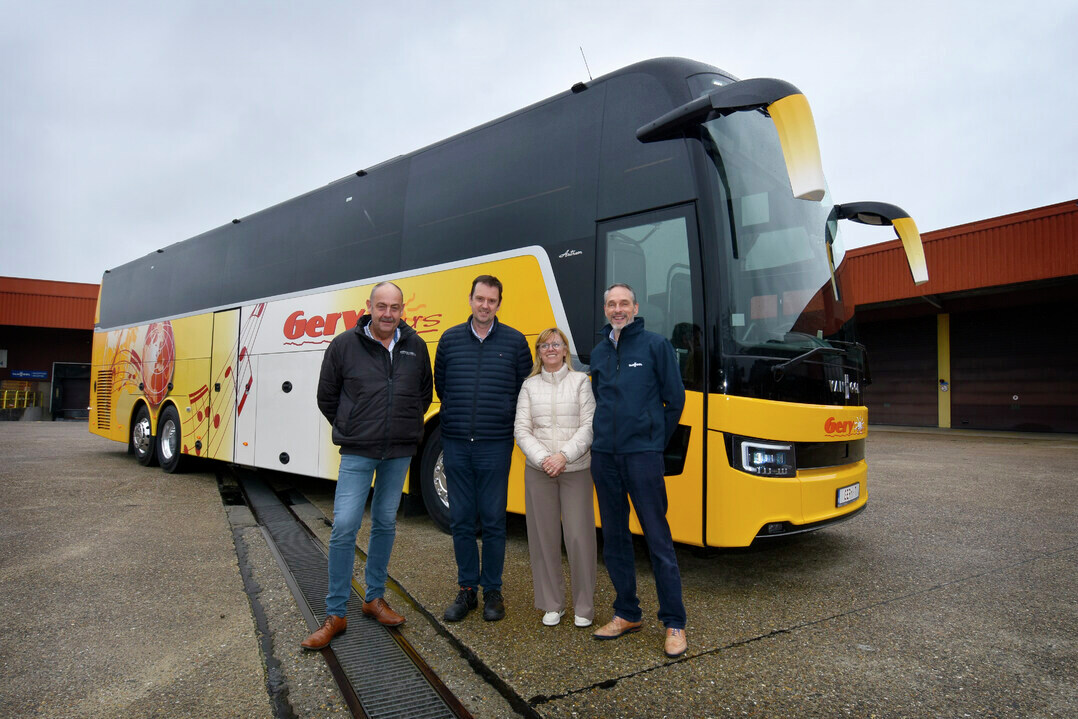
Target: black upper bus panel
x=540 y=176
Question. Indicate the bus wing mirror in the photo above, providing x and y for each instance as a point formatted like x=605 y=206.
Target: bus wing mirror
x=881 y=213
x=789 y=110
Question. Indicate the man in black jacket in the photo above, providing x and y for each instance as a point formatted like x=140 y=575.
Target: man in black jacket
x=478 y=370
x=374 y=388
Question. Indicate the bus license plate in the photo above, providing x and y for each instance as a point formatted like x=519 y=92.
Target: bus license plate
x=845 y=495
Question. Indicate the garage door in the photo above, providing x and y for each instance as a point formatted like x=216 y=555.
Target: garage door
x=1014 y=369
x=902 y=357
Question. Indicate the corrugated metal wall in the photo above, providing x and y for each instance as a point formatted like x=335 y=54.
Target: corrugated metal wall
x=44 y=303
x=1023 y=247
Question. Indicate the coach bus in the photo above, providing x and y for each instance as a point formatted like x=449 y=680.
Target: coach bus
x=702 y=192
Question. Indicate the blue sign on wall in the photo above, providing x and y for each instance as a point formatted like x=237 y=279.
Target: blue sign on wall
x=29 y=374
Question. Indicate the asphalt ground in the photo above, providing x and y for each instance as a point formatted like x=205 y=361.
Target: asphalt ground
x=954 y=594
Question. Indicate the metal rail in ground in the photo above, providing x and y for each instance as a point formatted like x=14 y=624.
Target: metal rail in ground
x=380 y=675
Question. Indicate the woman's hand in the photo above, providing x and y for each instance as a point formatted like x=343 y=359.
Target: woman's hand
x=554 y=464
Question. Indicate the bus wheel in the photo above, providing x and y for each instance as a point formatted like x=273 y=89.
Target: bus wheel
x=432 y=480
x=170 y=440
x=142 y=443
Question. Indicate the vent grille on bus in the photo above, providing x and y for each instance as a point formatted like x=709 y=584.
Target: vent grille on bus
x=104 y=399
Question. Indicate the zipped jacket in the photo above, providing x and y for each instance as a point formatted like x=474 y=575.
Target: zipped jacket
x=478 y=382
x=554 y=414
x=638 y=391
x=374 y=402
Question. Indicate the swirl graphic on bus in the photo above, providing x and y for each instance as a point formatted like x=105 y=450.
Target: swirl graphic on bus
x=158 y=361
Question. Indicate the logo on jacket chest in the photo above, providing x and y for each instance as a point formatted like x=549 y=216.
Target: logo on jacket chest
x=636 y=364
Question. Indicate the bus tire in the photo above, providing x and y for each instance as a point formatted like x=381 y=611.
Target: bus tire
x=170 y=440
x=143 y=444
x=433 y=482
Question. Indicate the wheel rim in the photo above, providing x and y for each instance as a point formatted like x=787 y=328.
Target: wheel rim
x=140 y=435
x=441 y=488
x=168 y=440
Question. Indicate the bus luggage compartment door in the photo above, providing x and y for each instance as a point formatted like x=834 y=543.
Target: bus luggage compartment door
x=287 y=420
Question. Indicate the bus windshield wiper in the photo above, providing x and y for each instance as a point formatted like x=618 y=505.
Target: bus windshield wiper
x=780 y=369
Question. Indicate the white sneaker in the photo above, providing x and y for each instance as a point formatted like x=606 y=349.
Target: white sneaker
x=581 y=621
x=551 y=619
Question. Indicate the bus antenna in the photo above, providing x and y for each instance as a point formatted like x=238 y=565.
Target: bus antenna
x=585 y=61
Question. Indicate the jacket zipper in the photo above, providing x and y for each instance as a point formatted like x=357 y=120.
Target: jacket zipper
x=475 y=390
x=617 y=384
x=554 y=413
x=389 y=402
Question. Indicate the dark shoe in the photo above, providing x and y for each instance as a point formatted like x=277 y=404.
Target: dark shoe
x=465 y=602
x=493 y=606
x=378 y=609
x=320 y=639
x=616 y=627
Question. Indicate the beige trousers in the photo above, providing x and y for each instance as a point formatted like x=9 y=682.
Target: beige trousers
x=554 y=504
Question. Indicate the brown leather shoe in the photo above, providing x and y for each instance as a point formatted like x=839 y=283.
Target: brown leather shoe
x=320 y=639
x=378 y=609
x=616 y=627
x=676 y=644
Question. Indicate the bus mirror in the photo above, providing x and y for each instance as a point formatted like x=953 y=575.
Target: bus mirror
x=789 y=110
x=881 y=213
x=800 y=146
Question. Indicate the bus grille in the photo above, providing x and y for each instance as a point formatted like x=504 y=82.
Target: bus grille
x=104 y=399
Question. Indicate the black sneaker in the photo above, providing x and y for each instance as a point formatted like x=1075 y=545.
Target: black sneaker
x=493 y=606
x=465 y=602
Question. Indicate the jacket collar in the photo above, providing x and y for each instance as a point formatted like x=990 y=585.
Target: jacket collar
x=633 y=328
x=471 y=328
x=556 y=376
x=404 y=327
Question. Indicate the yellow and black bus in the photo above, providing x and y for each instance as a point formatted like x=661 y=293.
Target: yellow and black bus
x=701 y=191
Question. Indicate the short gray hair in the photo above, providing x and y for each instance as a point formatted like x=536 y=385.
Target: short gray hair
x=606 y=295
x=380 y=285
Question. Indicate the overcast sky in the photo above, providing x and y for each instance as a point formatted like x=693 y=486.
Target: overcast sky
x=127 y=126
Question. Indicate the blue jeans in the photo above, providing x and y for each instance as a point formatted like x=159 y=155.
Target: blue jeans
x=640 y=477
x=353 y=486
x=477 y=475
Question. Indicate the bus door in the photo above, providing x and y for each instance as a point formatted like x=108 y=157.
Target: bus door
x=221 y=432
x=657 y=254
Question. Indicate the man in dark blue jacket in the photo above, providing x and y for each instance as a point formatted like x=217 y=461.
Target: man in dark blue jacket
x=478 y=370
x=639 y=396
x=374 y=387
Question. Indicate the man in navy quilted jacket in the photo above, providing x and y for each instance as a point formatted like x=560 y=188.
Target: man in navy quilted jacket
x=478 y=370
x=639 y=396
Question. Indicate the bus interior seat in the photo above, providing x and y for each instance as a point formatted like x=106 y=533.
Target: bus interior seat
x=678 y=293
x=627 y=264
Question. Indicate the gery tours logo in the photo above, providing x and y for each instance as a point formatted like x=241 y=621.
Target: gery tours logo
x=300 y=329
x=843 y=428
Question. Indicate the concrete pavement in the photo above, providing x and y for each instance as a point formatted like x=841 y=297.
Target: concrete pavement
x=952 y=595
x=121 y=595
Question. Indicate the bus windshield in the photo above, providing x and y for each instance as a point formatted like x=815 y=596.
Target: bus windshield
x=782 y=269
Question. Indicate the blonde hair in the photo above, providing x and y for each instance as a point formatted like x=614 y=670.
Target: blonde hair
x=545 y=336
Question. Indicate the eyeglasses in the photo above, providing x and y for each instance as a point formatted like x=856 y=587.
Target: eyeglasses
x=550 y=346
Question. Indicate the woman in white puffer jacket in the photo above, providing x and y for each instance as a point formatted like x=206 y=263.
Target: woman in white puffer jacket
x=553 y=430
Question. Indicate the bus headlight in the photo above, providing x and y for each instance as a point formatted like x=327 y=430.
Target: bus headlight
x=767 y=459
